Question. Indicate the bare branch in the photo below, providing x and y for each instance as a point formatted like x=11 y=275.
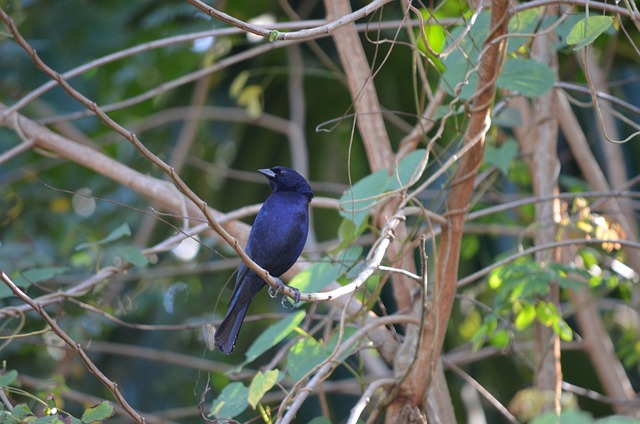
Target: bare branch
x=93 y=369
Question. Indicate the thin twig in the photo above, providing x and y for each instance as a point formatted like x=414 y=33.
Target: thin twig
x=324 y=371
x=484 y=392
x=526 y=252
x=91 y=367
x=302 y=35
x=357 y=409
x=16 y=150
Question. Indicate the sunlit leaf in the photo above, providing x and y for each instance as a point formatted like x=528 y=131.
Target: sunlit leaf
x=100 y=412
x=341 y=338
x=495 y=279
x=261 y=384
x=348 y=233
x=322 y=273
x=546 y=314
x=356 y=203
x=587 y=30
x=477 y=340
x=500 y=339
x=521 y=23
x=562 y=329
x=22 y=412
x=251 y=99
x=525 y=317
x=238 y=84
x=273 y=335
x=470 y=325
x=232 y=401
x=304 y=356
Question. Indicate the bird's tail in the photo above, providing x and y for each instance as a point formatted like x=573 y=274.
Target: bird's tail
x=227 y=333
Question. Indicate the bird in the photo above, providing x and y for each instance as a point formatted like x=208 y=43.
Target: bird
x=275 y=242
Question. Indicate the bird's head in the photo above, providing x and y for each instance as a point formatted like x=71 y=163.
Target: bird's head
x=286 y=179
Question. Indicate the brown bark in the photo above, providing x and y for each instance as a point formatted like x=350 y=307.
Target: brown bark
x=370 y=124
x=368 y=114
x=420 y=373
x=538 y=142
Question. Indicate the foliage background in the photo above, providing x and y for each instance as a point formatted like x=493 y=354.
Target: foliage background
x=261 y=104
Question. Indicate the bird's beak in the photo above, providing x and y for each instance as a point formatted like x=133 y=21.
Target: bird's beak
x=267 y=173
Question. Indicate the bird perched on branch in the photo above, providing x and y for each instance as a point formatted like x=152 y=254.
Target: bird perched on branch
x=275 y=242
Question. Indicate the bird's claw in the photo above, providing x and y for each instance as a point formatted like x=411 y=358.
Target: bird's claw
x=296 y=300
x=275 y=291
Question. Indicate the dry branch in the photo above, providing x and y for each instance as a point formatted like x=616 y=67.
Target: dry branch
x=414 y=388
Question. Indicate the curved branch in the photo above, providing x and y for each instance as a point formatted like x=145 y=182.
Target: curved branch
x=93 y=369
x=306 y=34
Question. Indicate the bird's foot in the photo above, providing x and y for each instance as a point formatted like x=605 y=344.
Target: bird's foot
x=296 y=300
x=275 y=291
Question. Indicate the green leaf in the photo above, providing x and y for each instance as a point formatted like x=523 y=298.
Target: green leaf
x=524 y=22
x=251 y=99
x=308 y=353
x=134 y=256
x=562 y=329
x=122 y=231
x=465 y=57
x=8 y=378
x=100 y=412
x=527 y=76
x=508 y=118
x=587 y=30
x=346 y=334
x=238 y=84
x=304 y=356
x=22 y=412
x=320 y=420
x=495 y=279
x=566 y=417
x=273 y=335
x=356 y=203
x=500 y=339
x=618 y=420
x=30 y=276
x=348 y=233
x=36 y=275
x=477 y=340
x=501 y=156
x=546 y=313
x=50 y=419
x=408 y=170
x=525 y=317
x=232 y=401
x=273 y=35
x=261 y=384
x=563 y=29
x=590 y=257
x=321 y=274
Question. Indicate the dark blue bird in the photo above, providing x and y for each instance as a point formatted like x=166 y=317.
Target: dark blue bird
x=275 y=242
